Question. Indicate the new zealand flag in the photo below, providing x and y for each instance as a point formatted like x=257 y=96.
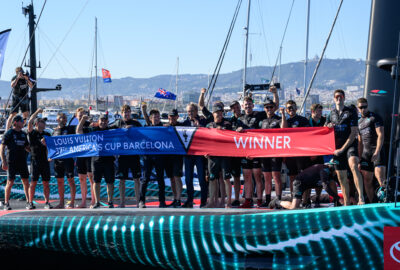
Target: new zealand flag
x=162 y=93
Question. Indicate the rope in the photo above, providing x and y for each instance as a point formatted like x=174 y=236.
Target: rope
x=217 y=69
x=322 y=57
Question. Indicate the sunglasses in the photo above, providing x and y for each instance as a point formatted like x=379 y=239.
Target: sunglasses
x=269 y=107
x=290 y=108
x=338 y=96
x=363 y=107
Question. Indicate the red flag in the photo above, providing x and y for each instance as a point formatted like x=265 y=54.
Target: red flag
x=106 y=75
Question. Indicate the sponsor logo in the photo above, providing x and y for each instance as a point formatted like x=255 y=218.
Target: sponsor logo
x=391 y=247
x=185 y=135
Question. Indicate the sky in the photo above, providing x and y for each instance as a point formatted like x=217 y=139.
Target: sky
x=143 y=39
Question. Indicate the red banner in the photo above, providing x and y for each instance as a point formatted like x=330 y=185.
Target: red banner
x=288 y=142
x=391 y=247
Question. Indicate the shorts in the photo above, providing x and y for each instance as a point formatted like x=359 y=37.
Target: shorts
x=271 y=164
x=296 y=164
x=103 y=169
x=129 y=162
x=40 y=168
x=300 y=187
x=64 y=167
x=236 y=166
x=15 y=168
x=17 y=104
x=366 y=162
x=217 y=165
x=251 y=164
x=342 y=161
x=173 y=166
x=83 y=165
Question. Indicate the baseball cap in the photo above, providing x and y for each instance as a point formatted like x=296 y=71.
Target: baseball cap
x=269 y=102
x=233 y=103
x=217 y=107
x=18 y=118
x=173 y=112
x=40 y=120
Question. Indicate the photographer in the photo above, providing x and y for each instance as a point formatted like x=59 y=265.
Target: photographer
x=20 y=85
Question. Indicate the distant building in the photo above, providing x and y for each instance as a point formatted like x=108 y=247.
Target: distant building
x=190 y=97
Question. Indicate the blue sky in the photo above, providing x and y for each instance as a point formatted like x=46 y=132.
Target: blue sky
x=142 y=39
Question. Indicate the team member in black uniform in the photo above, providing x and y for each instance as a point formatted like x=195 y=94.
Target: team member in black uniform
x=131 y=162
x=219 y=165
x=17 y=145
x=84 y=166
x=318 y=175
x=271 y=167
x=156 y=162
x=344 y=120
x=236 y=162
x=40 y=166
x=102 y=166
x=174 y=164
x=295 y=164
x=194 y=120
x=20 y=85
x=251 y=166
x=370 y=142
x=64 y=167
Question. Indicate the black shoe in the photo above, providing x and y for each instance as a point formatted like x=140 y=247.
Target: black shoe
x=187 y=204
x=172 y=204
x=337 y=203
x=317 y=204
x=95 y=206
x=48 y=206
x=235 y=203
x=7 y=207
x=30 y=206
x=162 y=205
x=203 y=205
x=177 y=204
x=265 y=205
x=110 y=205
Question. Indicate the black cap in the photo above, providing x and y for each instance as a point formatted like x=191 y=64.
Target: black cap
x=217 y=108
x=103 y=116
x=233 y=103
x=18 y=118
x=269 y=102
x=43 y=120
x=173 y=112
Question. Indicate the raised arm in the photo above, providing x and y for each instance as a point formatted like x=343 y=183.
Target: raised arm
x=79 y=127
x=283 y=120
x=145 y=115
x=275 y=99
x=201 y=98
x=32 y=119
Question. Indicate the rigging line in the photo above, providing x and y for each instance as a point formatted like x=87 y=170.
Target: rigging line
x=214 y=77
x=34 y=83
x=263 y=30
x=62 y=41
x=225 y=43
x=101 y=49
x=23 y=36
x=322 y=57
x=91 y=72
x=58 y=61
x=53 y=46
x=33 y=33
x=283 y=38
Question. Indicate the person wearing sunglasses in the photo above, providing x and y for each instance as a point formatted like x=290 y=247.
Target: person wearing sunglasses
x=295 y=164
x=344 y=120
x=370 y=142
x=16 y=141
x=271 y=167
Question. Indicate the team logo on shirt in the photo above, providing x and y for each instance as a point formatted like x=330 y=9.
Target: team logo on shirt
x=185 y=135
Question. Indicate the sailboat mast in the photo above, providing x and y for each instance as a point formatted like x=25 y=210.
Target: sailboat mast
x=176 y=80
x=306 y=59
x=95 y=63
x=246 y=48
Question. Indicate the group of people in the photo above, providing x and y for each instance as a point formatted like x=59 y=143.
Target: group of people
x=358 y=157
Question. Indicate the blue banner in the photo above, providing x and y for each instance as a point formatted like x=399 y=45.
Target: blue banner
x=132 y=141
x=3 y=44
